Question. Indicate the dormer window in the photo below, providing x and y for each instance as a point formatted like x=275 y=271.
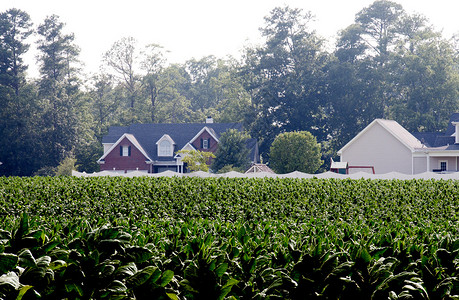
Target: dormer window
x=205 y=144
x=165 y=146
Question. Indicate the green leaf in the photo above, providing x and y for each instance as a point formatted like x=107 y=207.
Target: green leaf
x=57 y=264
x=49 y=246
x=70 y=287
x=138 y=254
x=166 y=277
x=117 y=286
x=5 y=235
x=10 y=279
x=23 y=228
x=127 y=270
x=44 y=261
x=221 y=269
x=227 y=288
x=26 y=259
x=172 y=296
x=8 y=262
x=143 y=276
x=22 y=291
x=366 y=257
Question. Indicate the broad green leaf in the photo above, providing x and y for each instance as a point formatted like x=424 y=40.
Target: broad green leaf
x=117 y=287
x=127 y=270
x=57 y=264
x=172 y=296
x=166 y=277
x=43 y=261
x=143 y=276
x=227 y=288
x=8 y=262
x=70 y=287
x=26 y=259
x=10 y=279
x=22 y=291
x=138 y=254
x=221 y=269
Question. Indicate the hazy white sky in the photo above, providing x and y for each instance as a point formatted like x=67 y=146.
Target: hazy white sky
x=196 y=28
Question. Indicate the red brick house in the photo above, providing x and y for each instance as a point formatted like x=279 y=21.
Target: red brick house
x=152 y=147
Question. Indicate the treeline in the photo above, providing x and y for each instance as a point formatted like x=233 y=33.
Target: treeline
x=387 y=64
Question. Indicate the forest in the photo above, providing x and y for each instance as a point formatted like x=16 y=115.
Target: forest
x=386 y=64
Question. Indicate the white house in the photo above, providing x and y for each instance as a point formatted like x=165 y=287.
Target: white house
x=388 y=147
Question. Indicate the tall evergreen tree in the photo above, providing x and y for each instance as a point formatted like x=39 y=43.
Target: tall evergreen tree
x=15 y=28
x=18 y=110
x=58 y=89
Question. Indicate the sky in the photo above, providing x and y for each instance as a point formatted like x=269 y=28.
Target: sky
x=197 y=28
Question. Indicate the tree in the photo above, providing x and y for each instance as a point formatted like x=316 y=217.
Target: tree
x=424 y=77
x=379 y=23
x=15 y=28
x=196 y=160
x=232 y=150
x=172 y=105
x=215 y=89
x=153 y=64
x=122 y=59
x=59 y=93
x=286 y=78
x=19 y=113
x=66 y=166
x=295 y=151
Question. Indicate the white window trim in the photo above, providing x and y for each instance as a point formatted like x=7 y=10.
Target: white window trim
x=205 y=144
x=443 y=161
x=125 y=150
x=170 y=153
x=165 y=150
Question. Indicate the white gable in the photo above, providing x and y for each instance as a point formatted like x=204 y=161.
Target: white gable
x=384 y=145
x=394 y=128
x=211 y=132
x=165 y=146
x=132 y=139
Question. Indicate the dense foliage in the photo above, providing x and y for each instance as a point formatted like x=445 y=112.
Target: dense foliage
x=232 y=151
x=194 y=238
x=386 y=64
x=295 y=151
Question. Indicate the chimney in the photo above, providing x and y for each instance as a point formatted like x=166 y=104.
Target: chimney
x=209 y=120
x=456 y=132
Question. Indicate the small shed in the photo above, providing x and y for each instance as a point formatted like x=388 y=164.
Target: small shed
x=258 y=168
x=340 y=167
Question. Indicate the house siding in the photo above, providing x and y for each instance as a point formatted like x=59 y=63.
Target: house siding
x=420 y=165
x=205 y=136
x=435 y=163
x=114 y=160
x=379 y=148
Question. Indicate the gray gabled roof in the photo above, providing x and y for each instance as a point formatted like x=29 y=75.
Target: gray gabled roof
x=440 y=139
x=148 y=134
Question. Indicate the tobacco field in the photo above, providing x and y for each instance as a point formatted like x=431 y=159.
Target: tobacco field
x=228 y=238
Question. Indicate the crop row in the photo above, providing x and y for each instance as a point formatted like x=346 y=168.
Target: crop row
x=193 y=238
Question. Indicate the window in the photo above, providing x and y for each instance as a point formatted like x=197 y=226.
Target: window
x=443 y=166
x=165 y=148
x=205 y=143
x=125 y=151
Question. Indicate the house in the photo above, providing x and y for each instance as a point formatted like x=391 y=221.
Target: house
x=152 y=148
x=386 y=146
x=259 y=168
